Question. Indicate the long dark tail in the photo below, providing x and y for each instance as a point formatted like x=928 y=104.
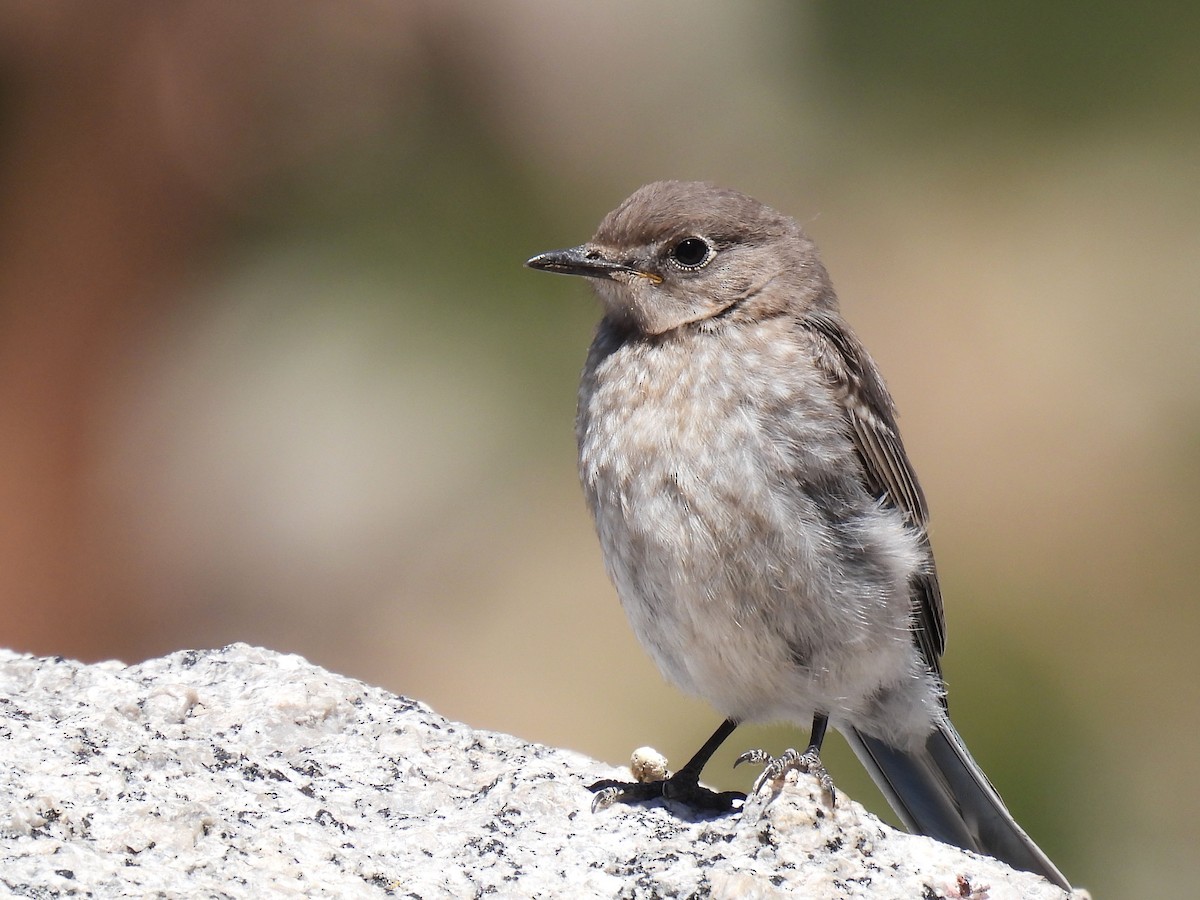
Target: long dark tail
x=940 y=791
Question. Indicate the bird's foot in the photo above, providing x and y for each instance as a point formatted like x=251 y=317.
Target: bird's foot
x=681 y=787
x=776 y=767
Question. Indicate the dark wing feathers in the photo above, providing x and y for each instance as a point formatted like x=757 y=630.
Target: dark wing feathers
x=886 y=469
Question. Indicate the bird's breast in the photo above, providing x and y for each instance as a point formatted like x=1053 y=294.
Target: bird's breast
x=745 y=550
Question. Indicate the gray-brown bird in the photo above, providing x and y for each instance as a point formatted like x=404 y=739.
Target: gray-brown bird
x=757 y=511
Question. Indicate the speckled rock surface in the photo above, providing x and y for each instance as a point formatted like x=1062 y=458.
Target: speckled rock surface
x=246 y=773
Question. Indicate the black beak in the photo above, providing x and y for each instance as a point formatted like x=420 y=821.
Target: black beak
x=581 y=260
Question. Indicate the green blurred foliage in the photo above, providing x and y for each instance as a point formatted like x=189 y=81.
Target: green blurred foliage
x=988 y=68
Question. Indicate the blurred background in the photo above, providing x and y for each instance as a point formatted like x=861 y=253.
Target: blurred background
x=271 y=369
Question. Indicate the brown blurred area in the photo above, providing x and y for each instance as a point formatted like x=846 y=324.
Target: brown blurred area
x=133 y=132
x=271 y=371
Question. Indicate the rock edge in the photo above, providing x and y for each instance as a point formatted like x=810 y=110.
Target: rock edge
x=243 y=772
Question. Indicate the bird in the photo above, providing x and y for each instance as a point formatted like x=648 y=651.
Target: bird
x=758 y=513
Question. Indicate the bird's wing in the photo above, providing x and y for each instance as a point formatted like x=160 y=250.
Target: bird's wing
x=888 y=473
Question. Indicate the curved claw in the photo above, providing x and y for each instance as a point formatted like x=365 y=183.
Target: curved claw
x=775 y=768
x=605 y=797
x=753 y=756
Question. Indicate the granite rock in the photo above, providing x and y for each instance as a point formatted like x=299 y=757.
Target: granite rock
x=247 y=773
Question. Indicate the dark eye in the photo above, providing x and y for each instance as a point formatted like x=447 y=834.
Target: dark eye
x=692 y=252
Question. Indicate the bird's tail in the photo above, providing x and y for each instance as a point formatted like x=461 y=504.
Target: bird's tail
x=940 y=791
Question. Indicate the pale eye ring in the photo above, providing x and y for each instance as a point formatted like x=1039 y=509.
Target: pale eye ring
x=691 y=252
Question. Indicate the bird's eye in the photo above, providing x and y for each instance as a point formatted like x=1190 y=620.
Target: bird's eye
x=692 y=252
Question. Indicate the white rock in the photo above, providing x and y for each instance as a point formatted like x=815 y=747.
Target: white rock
x=247 y=773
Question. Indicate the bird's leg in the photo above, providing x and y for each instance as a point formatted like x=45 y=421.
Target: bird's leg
x=809 y=761
x=683 y=786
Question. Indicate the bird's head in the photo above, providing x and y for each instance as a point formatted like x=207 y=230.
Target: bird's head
x=678 y=252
